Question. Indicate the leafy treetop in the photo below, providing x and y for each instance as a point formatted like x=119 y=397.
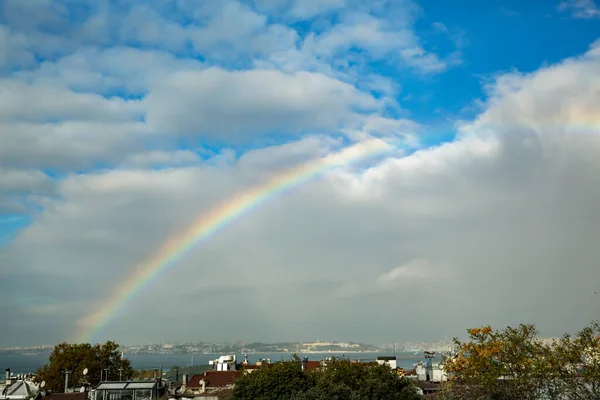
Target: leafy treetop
x=100 y=360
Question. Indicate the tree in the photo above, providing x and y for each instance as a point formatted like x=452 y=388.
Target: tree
x=100 y=360
x=507 y=364
x=273 y=381
x=340 y=379
x=343 y=379
x=143 y=374
x=514 y=364
x=574 y=365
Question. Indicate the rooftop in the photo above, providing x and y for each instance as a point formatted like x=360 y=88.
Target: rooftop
x=127 y=385
x=214 y=379
x=21 y=389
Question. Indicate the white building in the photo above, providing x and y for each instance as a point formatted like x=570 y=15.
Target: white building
x=430 y=371
x=19 y=390
x=390 y=361
x=224 y=363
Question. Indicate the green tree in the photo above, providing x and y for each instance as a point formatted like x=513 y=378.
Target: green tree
x=340 y=379
x=573 y=364
x=100 y=360
x=343 y=379
x=273 y=381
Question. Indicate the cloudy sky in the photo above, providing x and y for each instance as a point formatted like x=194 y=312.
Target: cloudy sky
x=122 y=122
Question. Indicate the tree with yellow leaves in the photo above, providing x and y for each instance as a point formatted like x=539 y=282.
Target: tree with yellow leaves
x=514 y=364
x=498 y=365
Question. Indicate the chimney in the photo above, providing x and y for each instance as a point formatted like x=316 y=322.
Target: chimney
x=245 y=358
x=304 y=363
x=177 y=375
x=203 y=382
x=7 y=376
x=184 y=379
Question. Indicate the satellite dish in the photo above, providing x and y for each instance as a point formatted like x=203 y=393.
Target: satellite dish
x=82 y=390
x=43 y=384
x=85 y=371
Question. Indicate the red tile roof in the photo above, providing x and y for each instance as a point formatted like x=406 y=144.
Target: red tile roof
x=195 y=381
x=312 y=365
x=214 y=379
x=221 y=378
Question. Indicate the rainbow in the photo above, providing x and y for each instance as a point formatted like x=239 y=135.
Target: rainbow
x=206 y=225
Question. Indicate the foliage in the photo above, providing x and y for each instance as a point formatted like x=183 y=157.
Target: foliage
x=144 y=374
x=273 y=381
x=496 y=364
x=77 y=357
x=574 y=364
x=341 y=379
x=514 y=364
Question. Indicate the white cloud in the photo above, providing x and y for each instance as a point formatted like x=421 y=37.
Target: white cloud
x=486 y=229
x=22 y=180
x=13 y=49
x=230 y=22
x=400 y=131
x=162 y=158
x=381 y=37
x=414 y=272
x=381 y=31
x=45 y=125
x=116 y=69
x=446 y=231
x=303 y=9
x=275 y=158
x=36 y=103
x=18 y=187
x=146 y=26
x=586 y=9
x=236 y=104
x=69 y=145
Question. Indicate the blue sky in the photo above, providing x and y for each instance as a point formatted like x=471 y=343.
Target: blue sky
x=121 y=120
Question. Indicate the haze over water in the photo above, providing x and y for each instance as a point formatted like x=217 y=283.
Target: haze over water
x=25 y=364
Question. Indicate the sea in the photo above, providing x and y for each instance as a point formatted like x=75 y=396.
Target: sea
x=30 y=363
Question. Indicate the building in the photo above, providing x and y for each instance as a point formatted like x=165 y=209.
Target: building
x=19 y=390
x=18 y=387
x=210 y=381
x=62 y=396
x=130 y=390
x=224 y=363
x=387 y=360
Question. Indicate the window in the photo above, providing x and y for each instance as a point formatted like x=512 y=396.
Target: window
x=119 y=395
x=143 y=394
